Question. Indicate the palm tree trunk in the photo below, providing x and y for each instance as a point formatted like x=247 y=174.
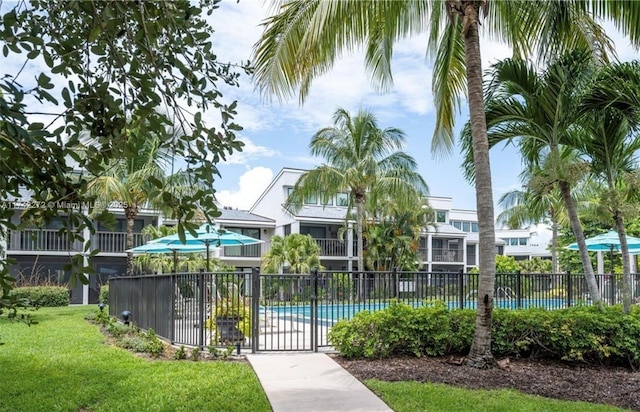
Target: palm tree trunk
x=590 y=277
x=626 y=270
x=480 y=355
x=360 y=247
x=554 y=245
x=130 y=215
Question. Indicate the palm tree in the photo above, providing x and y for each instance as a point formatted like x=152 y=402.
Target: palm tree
x=612 y=147
x=305 y=37
x=135 y=181
x=540 y=113
x=366 y=161
x=526 y=207
x=301 y=253
x=393 y=238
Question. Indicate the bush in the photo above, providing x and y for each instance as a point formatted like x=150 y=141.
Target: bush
x=578 y=334
x=43 y=296
x=104 y=294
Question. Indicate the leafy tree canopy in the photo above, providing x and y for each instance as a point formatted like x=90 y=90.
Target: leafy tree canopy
x=104 y=70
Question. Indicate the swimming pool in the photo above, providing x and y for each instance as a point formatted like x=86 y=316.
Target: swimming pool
x=329 y=314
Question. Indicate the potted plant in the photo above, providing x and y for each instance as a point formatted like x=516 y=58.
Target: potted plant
x=230 y=320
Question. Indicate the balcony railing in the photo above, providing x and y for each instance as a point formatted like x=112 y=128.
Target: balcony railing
x=447 y=255
x=115 y=242
x=245 y=251
x=42 y=240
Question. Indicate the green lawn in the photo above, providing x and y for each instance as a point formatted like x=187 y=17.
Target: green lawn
x=62 y=364
x=429 y=397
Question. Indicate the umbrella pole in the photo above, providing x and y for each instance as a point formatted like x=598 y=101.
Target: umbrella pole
x=175 y=260
x=611 y=257
x=208 y=268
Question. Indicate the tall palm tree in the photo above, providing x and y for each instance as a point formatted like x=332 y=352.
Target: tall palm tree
x=305 y=37
x=539 y=111
x=364 y=160
x=612 y=146
x=135 y=181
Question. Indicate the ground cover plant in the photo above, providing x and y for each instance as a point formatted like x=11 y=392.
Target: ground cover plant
x=48 y=362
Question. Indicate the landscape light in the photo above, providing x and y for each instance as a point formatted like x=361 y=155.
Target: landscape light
x=126 y=316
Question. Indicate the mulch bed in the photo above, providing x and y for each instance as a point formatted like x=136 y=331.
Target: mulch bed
x=596 y=384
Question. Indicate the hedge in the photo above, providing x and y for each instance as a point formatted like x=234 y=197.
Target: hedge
x=43 y=296
x=578 y=334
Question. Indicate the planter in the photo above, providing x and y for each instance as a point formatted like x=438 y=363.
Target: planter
x=227 y=330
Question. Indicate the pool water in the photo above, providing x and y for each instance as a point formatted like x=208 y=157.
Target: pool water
x=330 y=314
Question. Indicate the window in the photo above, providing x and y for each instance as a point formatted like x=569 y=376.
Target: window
x=466 y=227
x=326 y=199
x=342 y=199
x=523 y=241
x=289 y=191
x=457 y=224
x=441 y=216
x=311 y=200
x=513 y=241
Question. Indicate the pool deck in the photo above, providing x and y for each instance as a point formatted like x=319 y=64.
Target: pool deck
x=312 y=382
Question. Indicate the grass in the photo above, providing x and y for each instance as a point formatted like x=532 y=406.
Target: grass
x=429 y=397
x=63 y=364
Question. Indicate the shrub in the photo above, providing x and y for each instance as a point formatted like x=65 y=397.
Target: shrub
x=43 y=296
x=577 y=334
x=104 y=294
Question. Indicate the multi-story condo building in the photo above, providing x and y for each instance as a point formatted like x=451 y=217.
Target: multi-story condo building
x=449 y=245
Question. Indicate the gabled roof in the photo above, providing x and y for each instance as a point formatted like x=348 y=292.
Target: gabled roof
x=274 y=181
x=242 y=215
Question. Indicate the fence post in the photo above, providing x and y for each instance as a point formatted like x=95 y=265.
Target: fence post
x=201 y=303
x=569 y=288
x=314 y=309
x=461 y=289
x=255 y=309
x=519 y=289
x=174 y=283
x=612 y=288
x=396 y=291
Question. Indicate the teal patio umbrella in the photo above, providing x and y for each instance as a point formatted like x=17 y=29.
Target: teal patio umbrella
x=208 y=236
x=168 y=248
x=610 y=242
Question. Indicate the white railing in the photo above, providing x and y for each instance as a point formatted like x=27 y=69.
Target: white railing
x=332 y=247
x=115 y=242
x=42 y=240
x=446 y=255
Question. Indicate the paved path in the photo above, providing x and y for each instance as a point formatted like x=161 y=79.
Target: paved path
x=312 y=382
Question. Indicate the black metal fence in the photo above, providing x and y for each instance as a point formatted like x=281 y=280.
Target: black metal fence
x=267 y=312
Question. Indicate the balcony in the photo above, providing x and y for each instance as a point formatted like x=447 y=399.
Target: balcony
x=42 y=240
x=246 y=251
x=447 y=255
x=115 y=242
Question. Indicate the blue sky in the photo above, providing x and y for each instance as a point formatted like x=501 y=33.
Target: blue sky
x=277 y=134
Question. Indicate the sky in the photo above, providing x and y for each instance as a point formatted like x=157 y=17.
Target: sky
x=277 y=134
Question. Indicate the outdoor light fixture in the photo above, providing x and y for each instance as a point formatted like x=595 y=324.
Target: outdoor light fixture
x=101 y=305
x=126 y=316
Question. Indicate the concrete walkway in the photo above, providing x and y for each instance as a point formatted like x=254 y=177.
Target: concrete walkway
x=312 y=382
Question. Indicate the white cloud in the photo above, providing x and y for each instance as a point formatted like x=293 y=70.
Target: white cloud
x=250 y=151
x=250 y=185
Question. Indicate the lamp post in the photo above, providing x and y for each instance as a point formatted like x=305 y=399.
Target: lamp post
x=101 y=305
